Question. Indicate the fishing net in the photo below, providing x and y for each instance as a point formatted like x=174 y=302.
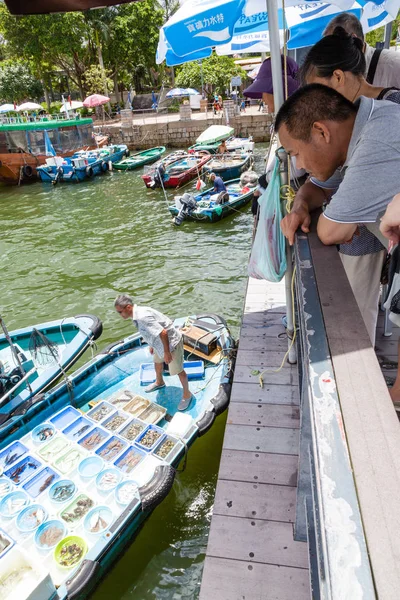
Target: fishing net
x=43 y=351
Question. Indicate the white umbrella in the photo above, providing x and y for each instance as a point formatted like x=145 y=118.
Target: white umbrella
x=71 y=105
x=7 y=108
x=29 y=106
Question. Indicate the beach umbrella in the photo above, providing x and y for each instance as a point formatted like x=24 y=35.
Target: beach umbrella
x=95 y=100
x=215 y=133
x=181 y=93
x=8 y=108
x=29 y=106
x=73 y=105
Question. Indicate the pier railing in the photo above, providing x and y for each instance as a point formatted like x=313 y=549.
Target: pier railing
x=349 y=471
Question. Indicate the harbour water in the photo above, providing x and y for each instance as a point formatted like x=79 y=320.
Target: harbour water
x=70 y=249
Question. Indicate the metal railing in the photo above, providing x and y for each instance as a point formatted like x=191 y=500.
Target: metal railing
x=35 y=118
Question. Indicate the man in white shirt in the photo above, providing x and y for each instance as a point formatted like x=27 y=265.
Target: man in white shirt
x=165 y=342
x=383 y=66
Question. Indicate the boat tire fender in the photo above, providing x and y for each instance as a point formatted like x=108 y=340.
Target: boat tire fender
x=104 y=166
x=27 y=171
x=158 y=487
x=215 y=318
x=96 y=327
x=89 y=172
x=221 y=400
x=206 y=422
x=83 y=580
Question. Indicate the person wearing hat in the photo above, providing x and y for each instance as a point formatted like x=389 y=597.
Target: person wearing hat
x=262 y=87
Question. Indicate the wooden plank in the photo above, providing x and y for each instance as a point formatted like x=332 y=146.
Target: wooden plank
x=269 y=394
x=276 y=440
x=255 y=500
x=264 y=542
x=239 y=465
x=270 y=415
x=244 y=374
x=262 y=316
x=263 y=343
x=239 y=580
x=261 y=329
x=263 y=358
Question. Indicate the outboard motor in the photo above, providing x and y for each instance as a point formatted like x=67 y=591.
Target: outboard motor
x=187 y=204
x=158 y=177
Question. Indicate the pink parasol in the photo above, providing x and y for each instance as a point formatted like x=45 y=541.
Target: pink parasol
x=95 y=100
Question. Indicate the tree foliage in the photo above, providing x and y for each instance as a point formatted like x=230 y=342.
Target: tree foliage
x=17 y=83
x=95 y=78
x=217 y=73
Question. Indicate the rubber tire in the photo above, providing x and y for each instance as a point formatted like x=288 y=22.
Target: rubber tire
x=104 y=166
x=96 y=327
x=206 y=422
x=27 y=171
x=158 y=487
x=221 y=400
x=80 y=583
x=89 y=172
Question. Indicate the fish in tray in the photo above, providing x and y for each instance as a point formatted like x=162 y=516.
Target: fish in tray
x=77 y=510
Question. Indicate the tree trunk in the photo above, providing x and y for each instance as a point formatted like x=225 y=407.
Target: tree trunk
x=116 y=90
x=172 y=77
x=101 y=63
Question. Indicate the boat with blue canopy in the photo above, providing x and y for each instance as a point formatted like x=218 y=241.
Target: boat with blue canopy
x=86 y=466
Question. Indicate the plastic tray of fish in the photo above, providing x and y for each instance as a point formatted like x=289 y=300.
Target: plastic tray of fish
x=12 y=453
x=149 y=438
x=168 y=448
x=65 y=417
x=20 y=471
x=40 y=482
x=121 y=398
x=5 y=486
x=74 y=512
x=153 y=414
x=77 y=428
x=6 y=543
x=70 y=460
x=133 y=429
x=116 y=421
x=129 y=459
x=93 y=439
x=110 y=450
x=53 y=449
x=137 y=406
x=101 y=411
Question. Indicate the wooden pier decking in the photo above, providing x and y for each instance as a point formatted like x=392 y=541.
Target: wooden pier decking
x=251 y=552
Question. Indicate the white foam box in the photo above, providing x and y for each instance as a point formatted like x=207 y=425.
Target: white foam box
x=34 y=583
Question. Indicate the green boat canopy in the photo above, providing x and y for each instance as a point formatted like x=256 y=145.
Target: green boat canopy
x=215 y=133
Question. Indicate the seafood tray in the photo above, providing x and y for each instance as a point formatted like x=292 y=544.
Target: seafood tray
x=108 y=479
x=149 y=438
x=69 y=461
x=57 y=446
x=111 y=448
x=101 y=411
x=70 y=551
x=48 y=534
x=129 y=459
x=116 y=421
x=6 y=543
x=31 y=517
x=12 y=453
x=62 y=491
x=90 y=467
x=121 y=398
x=132 y=429
x=43 y=433
x=77 y=428
x=93 y=439
x=137 y=405
x=65 y=417
x=98 y=520
x=5 y=486
x=23 y=469
x=79 y=507
x=153 y=414
x=40 y=482
x=168 y=448
x=13 y=503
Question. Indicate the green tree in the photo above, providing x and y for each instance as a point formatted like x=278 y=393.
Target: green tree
x=217 y=73
x=17 y=83
x=96 y=78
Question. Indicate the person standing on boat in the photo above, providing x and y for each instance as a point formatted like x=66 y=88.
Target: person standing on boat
x=220 y=189
x=222 y=148
x=165 y=342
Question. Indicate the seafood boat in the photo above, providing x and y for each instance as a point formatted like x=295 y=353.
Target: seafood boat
x=229 y=166
x=134 y=161
x=23 y=144
x=84 y=470
x=203 y=207
x=178 y=172
x=83 y=165
x=33 y=358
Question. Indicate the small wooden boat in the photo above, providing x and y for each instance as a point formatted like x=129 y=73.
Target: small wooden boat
x=229 y=166
x=233 y=144
x=151 y=170
x=134 y=161
x=178 y=172
x=86 y=468
x=83 y=165
x=203 y=207
x=33 y=358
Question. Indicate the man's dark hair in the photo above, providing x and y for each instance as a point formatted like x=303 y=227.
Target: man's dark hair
x=349 y=22
x=312 y=103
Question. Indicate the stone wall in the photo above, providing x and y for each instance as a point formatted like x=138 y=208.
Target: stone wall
x=181 y=134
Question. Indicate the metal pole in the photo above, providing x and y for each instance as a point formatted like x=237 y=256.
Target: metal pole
x=13 y=349
x=202 y=78
x=388 y=35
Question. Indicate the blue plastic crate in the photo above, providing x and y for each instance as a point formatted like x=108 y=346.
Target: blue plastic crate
x=145 y=432
x=130 y=459
x=77 y=428
x=11 y=453
x=65 y=417
x=194 y=370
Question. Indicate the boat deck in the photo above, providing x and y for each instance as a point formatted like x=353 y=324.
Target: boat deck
x=251 y=552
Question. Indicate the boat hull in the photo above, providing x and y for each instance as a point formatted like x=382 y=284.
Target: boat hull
x=228 y=172
x=139 y=160
x=171 y=180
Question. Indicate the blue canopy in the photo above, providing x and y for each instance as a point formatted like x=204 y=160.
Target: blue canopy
x=48 y=146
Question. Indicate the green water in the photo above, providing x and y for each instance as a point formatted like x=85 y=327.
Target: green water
x=70 y=249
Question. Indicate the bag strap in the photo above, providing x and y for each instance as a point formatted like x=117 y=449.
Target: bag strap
x=373 y=65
